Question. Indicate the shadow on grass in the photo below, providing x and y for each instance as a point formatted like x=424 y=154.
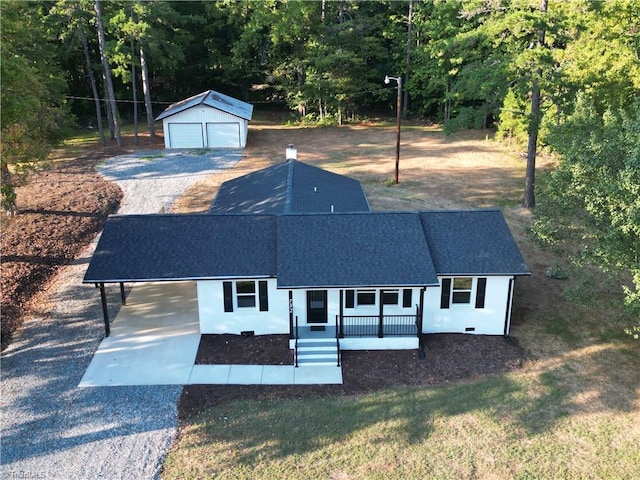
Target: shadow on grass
x=272 y=425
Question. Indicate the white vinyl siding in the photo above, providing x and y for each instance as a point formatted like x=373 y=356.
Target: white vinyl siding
x=466 y=317
x=214 y=318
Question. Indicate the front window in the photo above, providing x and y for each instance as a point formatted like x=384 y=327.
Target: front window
x=390 y=297
x=246 y=294
x=366 y=297
x=461 y=290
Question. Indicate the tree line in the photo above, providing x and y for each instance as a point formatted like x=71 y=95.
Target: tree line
x=467 y=63
x=562 y=75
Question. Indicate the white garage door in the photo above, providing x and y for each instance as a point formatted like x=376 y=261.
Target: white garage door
x=185 y=135
x=223 y=135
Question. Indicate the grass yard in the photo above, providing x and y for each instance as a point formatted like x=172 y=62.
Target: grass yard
x=512 y=426
x=570 y=412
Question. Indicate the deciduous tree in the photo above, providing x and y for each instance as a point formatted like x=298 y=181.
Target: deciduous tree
x=34 y=117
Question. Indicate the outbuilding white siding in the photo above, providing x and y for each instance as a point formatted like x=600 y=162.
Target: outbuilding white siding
x=204 y=127
x=466 y=318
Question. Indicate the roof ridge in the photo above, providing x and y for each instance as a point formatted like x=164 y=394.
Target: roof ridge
x=334 y=214
x=462 y=210
x=288 y=195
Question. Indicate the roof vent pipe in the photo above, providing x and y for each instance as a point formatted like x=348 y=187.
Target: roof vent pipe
x=291 y=152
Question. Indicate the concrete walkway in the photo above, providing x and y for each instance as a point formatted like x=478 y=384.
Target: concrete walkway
x=154 y=341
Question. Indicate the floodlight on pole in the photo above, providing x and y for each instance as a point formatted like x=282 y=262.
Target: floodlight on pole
x=387 y=80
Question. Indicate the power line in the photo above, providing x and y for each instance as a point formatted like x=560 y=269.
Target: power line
x=142 y=102
x=117 y=101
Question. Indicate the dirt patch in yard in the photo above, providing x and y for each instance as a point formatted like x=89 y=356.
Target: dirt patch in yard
x=448 y=358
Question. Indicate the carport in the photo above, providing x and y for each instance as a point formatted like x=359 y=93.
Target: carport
x=153 y=341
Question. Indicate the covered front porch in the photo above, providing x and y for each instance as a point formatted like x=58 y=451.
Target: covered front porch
x=365 y=332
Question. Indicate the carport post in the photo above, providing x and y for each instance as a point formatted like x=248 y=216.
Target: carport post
x=122 y=295
x=105 y=311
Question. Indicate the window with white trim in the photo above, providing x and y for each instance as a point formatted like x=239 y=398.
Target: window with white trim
x=461 y=290
x=246 y=294
x=365 y=297
x=390 y=297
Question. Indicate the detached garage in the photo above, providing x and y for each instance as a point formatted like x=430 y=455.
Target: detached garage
x=207 y=120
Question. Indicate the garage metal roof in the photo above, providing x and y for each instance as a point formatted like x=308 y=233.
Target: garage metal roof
x=211 y=99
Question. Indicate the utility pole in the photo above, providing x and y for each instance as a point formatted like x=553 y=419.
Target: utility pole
x=387 y=79
x=405 y=105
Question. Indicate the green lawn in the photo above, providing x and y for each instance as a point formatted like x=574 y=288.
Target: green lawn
x=571 y=412
x=508 y=426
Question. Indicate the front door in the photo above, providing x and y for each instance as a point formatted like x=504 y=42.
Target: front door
x=317 y=306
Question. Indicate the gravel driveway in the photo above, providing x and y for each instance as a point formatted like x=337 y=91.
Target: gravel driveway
x=50 y=427
x=151 y=181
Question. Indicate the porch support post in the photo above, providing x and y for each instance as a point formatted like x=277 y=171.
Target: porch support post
x=421 y=311
x=421 y=352
x=122 y=294
x=291 y=314
x=105 y=310
x=507 y=316
x=380 y=316
x=341 y=324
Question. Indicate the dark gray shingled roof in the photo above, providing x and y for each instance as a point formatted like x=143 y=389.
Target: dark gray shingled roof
x=180 y=247
x=356 y=250
x=290 y=187
x=374 y=249
x=473 y=242
x=211 y=99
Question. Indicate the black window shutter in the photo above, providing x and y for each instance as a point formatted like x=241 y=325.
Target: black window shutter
x=228 y=296
x=480 y=292
x=349 y=300
x=264 y=299
x=406 y=297
x=446 y=293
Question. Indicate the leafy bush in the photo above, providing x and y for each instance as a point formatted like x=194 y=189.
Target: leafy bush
x=469 y=117
x=593 y=197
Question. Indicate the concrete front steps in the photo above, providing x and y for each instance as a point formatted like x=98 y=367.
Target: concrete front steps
x=317 y=352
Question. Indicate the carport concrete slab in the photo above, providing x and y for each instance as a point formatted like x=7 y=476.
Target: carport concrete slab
x=154 y=339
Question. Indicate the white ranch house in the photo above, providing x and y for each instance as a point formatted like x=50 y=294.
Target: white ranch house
x=293 y=249
x=207 y=120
